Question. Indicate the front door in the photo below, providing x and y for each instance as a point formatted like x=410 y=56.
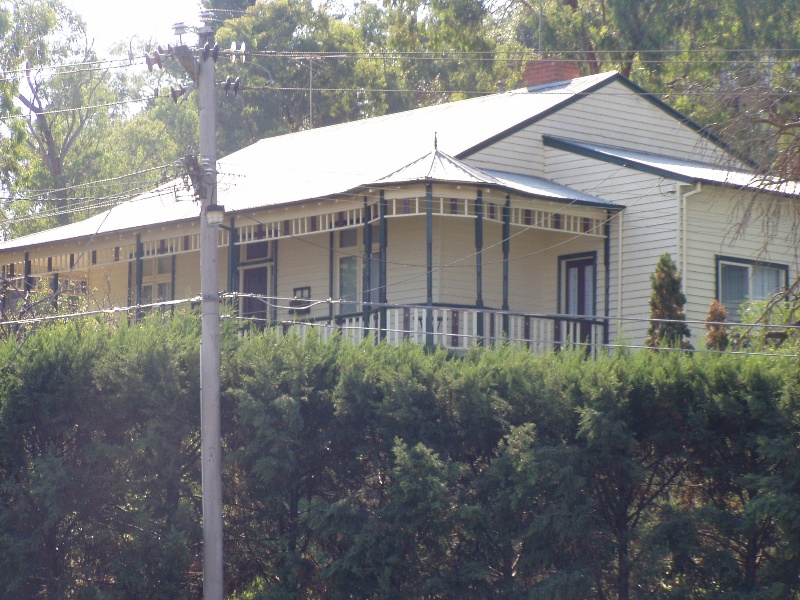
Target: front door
x=579 y=299
x=256 y=280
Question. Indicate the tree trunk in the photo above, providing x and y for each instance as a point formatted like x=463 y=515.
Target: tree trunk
x=623 y=567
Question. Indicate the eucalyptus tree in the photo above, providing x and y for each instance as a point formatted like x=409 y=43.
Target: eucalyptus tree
x=302 y=68
x=79 y=119
x=12 y=128
x=602 y=34
x=59 y=78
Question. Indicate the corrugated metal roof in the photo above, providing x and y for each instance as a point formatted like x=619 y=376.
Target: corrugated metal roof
x=166 y=204
x=319 y=163
x=683 y=170
x=544 y=188
x=439 y=166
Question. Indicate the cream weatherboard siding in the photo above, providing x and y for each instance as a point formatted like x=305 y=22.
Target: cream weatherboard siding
x=649 y=229
x=454 y=261
x=613 y=116
x=520 y=152
x=108 y=285
x=406 y=260
x=714 y=216
x=303 y=262
x=493 y=264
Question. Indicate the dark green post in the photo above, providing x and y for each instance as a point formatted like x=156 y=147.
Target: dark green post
x=506 y=250
x=429 y=265
x=366 y=295
x=383 y=235
x=479 y=262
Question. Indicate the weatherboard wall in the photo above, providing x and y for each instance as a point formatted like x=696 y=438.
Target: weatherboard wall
x=714 y=216
x=614 y=116
x=649 y=229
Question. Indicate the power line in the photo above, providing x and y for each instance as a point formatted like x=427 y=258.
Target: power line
x=59 y=111
x=72 y=68
x=134 y=195
x=331 y=323
x=44 y=193
x=563 y=55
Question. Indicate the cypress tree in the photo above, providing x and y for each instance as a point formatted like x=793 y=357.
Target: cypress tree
x=667 y=308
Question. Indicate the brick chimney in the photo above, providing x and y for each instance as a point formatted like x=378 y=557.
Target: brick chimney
x=542 y=72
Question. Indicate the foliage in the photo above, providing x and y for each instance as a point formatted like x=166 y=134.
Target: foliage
x=666 y=307
x=357 y=471
x=42 y=300
x=12 y=132
x=717 y=336
x=98 y=461
x=87 y=144
x=771 y=324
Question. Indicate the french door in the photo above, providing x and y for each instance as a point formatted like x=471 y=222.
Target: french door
x=257 y=281
x=578 y=295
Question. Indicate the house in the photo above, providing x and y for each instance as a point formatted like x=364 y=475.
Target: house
x=536 y=215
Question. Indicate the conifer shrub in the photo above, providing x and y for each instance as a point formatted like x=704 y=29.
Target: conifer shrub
x=667 y=302
x=717 y=336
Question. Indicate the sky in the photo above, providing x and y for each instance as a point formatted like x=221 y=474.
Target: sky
x=111 y=22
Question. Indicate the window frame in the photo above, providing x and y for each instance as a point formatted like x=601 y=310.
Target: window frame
x=583 y=329
x=563 y=263
x=721 y=260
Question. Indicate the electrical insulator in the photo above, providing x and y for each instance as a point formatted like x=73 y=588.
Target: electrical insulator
x=176 y=92
x=153 y=60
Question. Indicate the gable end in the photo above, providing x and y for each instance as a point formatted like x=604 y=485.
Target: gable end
x=641 y=92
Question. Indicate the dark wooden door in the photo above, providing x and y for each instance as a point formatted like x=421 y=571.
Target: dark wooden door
x=579 y=298
x=256 y=281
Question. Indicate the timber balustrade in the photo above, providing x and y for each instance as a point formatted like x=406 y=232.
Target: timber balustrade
x=458 y=328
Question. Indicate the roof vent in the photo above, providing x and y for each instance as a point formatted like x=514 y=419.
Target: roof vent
x=543 y=72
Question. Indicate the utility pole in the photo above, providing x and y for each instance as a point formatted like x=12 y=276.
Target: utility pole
x=204 y=179
x=202 y=71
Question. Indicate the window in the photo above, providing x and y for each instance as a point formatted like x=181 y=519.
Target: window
x=348 y=238
x=740 y=281
x=301 y=301
x=374 y=279
x=156 y=279
x=256 y=281
x=256 y=250
x=375 y=236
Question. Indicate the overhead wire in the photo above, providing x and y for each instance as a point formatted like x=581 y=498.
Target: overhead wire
x=287 y=89
x=334 y=325
x=126 y=63
x=431 y=55
x=46 y=192
x=71 y=68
